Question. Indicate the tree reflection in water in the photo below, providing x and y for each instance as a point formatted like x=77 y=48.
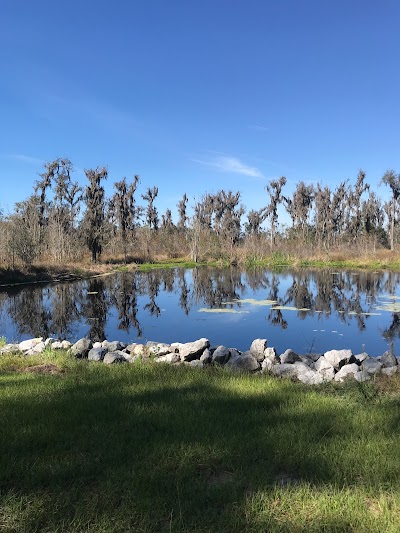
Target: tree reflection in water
x=56 y=310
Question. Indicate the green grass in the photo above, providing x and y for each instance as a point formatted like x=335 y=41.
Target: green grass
x=149 y=448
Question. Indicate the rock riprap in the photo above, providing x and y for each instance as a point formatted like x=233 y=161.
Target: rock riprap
x=311 y=369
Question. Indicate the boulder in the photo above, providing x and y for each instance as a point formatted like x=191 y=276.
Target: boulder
x=112 y=358
x=168 y=358
x=24 y=346
x=97 y=354
x=388 y=360
x=193 y=350
x=257 y=349
x=138 y=349
x=38 y=348
x=362 y=376
x=270 y=353
x=289 y=357
x=206 y=357
x=306 y=360
x=372 y=366
x=195 y=362
x=175 y=346
x=49 y=341
x=310 y=378
x=9 y=348
x=61 y=345
x=243 y=362
x=114 y=346
x=389 y=371
x=290 y=370
x=360 y=357
x=81 y=348
x=221 y=355
x=338 y=358
x=158 y=348
x=267 y=365
x=347 y=372
x=324 y=367
x=98 y=344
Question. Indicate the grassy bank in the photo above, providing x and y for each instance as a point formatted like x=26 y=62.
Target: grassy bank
x=86 y=447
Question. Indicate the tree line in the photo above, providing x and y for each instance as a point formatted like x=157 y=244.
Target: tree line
x=62 y=221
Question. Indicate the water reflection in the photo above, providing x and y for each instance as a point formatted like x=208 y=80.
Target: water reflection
x=131 y=302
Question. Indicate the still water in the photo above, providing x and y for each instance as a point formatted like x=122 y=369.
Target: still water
x=306 y=310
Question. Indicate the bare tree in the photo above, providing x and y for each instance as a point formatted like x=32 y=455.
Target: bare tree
x=125 y=209
x=274 y=189
x=151 y=212
x=393 y=181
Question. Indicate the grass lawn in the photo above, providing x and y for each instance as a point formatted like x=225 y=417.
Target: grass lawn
x=147 y=447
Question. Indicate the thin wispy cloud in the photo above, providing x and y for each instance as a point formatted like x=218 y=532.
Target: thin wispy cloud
x=258 y=127
x=231 y=165
x=26 y=159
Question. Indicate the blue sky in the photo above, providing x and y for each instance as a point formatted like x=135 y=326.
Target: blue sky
x=198 y=95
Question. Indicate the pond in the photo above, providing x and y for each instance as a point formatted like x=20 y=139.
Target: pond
x=306 y=310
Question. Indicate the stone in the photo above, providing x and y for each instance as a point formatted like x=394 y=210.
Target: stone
x=362 y=376
x=114 y=346
x=60 y=345
x=98 y=344
x=257 y=349
x=97 y=354
x=313 y=356
x=112 y=358
x=168 y=358
x=388 y=360
x=24 y=346
x=195 y=362
x=267 y=365
x=289 y=357
x=221 y=355
x=158 y=348
x=139 y=349
x=306 y=360
x=193 y=350
x=324 y=367
x=360 y=357
x=9 y=348
x=243 y=362
x=81 y=348
x=338 y=358
x=175 y=346
x=347 y=372
x=38 y=348
x=49 y=341
x=290 y=370
x=389 y=370
x=130 y=357
x=312 y=377
x=270 y=353
x=206 y=357
x=371 y=365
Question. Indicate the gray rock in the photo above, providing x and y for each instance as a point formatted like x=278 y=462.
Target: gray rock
x=290 y=370
x=99 y=344
x=314 y=356
x=221 y=355
x=130 y=357
x=81 y=348
x=158 y=348
x=49 y=341
x=206 y=357
x=175 y=346
x=24 y=346
x=388 y=360
x=257 y=349
x=306 y=360
x=112 y=358
x=195 y=362
x=243 y=362
x=97 y=354
x=193 y=350
x=310 y=378
x=38 y=348
x=270 y=353
x=131 y=347
x=60 y=345
x=9 y=348
x=347 y=372
x=360 y=357
x=138 y=349
x=324 y=367
x=389 y=371
x=289 y=357
x=371 y=365
x=114 y=346
x=168 y=358
x=267 y=365
x=338 y=358
x=362 y=376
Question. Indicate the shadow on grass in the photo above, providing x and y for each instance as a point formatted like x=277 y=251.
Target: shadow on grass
x=113 y=450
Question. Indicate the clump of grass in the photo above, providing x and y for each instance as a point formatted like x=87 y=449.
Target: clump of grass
x=3 y=341
x=150 y=447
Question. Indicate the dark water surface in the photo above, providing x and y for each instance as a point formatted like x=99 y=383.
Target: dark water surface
x=306 y=310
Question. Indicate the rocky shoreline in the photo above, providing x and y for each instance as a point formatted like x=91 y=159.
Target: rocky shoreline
x=311 y=369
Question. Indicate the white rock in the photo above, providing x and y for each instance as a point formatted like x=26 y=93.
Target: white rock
x=338 y=358
x=29 y=344
x=347 y=372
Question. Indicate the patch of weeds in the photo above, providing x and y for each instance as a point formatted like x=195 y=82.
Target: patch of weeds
x=3 y=341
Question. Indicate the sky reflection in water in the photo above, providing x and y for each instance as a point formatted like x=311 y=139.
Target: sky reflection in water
x=306 y=310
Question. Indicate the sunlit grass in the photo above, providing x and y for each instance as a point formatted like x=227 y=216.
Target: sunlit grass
x=147 y=447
